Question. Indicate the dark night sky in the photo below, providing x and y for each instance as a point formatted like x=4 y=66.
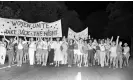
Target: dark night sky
x=84 y=8
x=92 y=14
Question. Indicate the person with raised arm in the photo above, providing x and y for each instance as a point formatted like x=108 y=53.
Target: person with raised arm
x=19 y=52
x=76 y=51
x=94 y=50
x=85 y=50
x=90 y=53
x=51 y=51
x=113 y=54
x=98 y=53
x=32 y=47
x=45 y=52
x=2 y=51
x=70 y=52
x=107 y=48
x=119 y=58
x=10 y=51
x=64 y=50
x=39 y=51
x=25 y=50
x=102 y=53
x=58 y=55
x=126 y=53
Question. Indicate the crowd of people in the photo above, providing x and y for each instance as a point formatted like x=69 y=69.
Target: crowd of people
x=63 y=51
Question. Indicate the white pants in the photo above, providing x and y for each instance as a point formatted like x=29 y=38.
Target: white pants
x=2 y=55
x=102 y=58
x=31 y=55
x=2 y=58
x=64 y=54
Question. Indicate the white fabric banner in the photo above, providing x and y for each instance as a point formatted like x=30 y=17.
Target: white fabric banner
x=83 y=34
x=13 y=27
x=71 y=33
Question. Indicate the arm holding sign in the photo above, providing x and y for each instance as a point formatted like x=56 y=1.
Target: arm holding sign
x=117 y=40
x=111 y=39
x=6 y=39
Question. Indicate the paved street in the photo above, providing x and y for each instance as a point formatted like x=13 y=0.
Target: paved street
x=38 y=72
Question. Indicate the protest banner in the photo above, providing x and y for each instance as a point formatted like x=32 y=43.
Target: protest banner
x=13 y=27
x=83 y=34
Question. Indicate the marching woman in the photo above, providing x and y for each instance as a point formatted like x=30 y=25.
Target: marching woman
x=102 y=53
x=80 y=53
x=126 y=53
x=45 y=52
x=64 y=50
x=113 y=54
x=58 y=55
x=19 y=52
x=39 y=50
x=2 y=51
x=51 y=52
x=107 y=53
x=32 y=47
x=25 y=50
x=90 y=53
x=97 y=54
x=76 y=50
x=94 y=50
x=70 y=52
x=10 y=50
x=119 y=58
x=85 y=50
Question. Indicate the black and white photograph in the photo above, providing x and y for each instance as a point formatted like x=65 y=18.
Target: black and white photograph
x=66 y=40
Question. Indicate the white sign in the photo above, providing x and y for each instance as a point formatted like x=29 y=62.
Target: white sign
x=12 y=27
x=83 y=34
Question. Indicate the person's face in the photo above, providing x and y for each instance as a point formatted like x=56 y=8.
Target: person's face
x=57 y=39
x=90 y=41
x=120 y=43
x=31 y=39
x=125 y=45
x=71 y=41
x=11 y=39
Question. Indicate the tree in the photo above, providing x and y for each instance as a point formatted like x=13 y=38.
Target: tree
x=8 y=12
x=121 y=18
x=119 y=9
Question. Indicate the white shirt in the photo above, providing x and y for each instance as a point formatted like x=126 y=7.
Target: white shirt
x=57 y=45
x=40 y=45
x=94 y=45
x=113 y=49
x=45 y=45
x=24 y=42
x=126 y=50
x=89 y=47
x=52 y=44
x=107 y=46
x=102 y=47
x=32 y=45
x=20 y=46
